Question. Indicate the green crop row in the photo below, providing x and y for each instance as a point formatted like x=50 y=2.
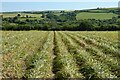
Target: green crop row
x=59 y=54
x=25 y=43
x=99 y=70
x=64 y=65
x=112 y=62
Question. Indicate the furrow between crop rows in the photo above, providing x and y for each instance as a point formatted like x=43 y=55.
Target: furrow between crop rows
x=101 y=45
x=64 y=64
x=40 y=64
x=91 y=67
x=100 y=56
x=13 y=61
x=59 y=55
x=100 y=39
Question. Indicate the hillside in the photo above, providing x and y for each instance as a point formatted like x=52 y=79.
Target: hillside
x=99 y=19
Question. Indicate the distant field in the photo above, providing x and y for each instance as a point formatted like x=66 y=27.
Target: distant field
x=97 y=11
x=85 y=15
x=82 y=15
x=22 y=15
x=60 y=54
x=24 y=19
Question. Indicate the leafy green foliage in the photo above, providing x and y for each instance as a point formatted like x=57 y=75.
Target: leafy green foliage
x=89 y=20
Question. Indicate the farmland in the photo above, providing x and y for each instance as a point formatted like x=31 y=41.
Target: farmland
x=60 y=54
x=5 y=15
x=60 y=44
x=85 y=15
x=100 y=19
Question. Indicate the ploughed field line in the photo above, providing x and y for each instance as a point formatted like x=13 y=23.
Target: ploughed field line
x=101 y=70
x=107 y=49
x=59 y=55
x=40 y=63
x=112 y=62
x=109 y=54
x=64 y=64
x=14 y=61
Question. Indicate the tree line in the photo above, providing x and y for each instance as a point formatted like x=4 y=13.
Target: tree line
x=63 y=21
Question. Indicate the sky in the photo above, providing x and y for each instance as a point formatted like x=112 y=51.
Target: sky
x=59 y=0
x=40 y=6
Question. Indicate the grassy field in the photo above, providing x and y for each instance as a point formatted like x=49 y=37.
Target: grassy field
x=86 y=15
x=22 y=15
x=60 y=54
x=93 y=14
x=33 y=18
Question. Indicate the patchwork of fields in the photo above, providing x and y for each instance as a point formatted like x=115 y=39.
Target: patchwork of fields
x=60 y=54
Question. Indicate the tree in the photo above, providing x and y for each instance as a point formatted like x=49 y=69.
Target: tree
x=18 y=15
x=70 y=16
x=27 y=16
x=43 y=15
x=85 y=25
x=51 y=16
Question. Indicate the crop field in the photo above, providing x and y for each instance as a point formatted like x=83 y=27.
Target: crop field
x=60 y=54
x=86 y=15
x=22 y=15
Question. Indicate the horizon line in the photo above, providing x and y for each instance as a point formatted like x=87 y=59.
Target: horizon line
x=57 y=9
